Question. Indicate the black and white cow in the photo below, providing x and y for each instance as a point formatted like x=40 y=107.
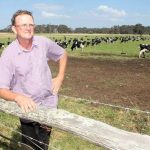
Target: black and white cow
x=144 y=48
x=2 y=45
x=63 y=44
x=77 y=44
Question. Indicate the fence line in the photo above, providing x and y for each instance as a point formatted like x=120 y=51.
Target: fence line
x=94 y=131
x=28 y=137
x=15 y=141
x=105 y=104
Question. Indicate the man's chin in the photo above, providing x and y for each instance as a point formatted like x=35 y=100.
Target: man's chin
x=28 y=37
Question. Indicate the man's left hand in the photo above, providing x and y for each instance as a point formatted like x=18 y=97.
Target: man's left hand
x=56 y=84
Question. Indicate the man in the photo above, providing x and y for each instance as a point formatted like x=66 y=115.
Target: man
x=25 y=76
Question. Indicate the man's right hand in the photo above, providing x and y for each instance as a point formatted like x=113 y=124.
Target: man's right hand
x=26 y=103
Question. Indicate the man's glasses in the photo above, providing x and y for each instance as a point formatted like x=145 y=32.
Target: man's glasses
x=25 y=26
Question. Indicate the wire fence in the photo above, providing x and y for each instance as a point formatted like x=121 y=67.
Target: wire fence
x=19 y=143
x=106 y=104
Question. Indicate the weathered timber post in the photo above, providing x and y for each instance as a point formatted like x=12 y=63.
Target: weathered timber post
x=94 y=131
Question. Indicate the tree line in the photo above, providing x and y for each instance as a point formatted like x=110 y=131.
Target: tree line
x=124 y=29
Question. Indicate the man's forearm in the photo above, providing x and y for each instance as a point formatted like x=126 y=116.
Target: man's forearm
x=8 y=95
x=62 y=66
x=26 y=103
x=57 y=81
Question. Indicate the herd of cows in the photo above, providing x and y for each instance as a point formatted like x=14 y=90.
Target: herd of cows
x=81 y=43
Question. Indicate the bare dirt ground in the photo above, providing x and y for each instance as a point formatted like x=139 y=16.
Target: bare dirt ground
x=119 y=82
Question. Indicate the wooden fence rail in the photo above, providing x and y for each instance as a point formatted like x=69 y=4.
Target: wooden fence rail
x=94 y=131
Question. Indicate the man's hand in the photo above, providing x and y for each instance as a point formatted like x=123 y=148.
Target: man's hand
x=26 y=103
x=56 y=84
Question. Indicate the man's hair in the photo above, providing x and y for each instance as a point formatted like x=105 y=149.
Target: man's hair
x=20 y=12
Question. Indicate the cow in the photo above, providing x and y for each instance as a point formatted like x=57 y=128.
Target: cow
x=95 y=41
x=78 y=44
x=2 y=45
x=63 y=44
x=8 y=41
x=144 y=48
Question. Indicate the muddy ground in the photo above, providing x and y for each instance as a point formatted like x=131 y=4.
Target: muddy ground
x=119 y=82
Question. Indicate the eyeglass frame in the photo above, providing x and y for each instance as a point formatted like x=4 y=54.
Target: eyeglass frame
x=24 y=26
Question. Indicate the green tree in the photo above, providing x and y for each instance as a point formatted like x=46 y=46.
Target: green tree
x=138 y=29
x=63 y=29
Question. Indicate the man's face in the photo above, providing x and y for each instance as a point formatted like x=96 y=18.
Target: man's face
x=24 y=27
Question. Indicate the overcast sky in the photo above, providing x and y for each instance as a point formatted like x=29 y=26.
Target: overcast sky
x=80 y=13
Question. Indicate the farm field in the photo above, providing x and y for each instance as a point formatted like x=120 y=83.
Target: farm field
x=117 y=82
x=100 y=73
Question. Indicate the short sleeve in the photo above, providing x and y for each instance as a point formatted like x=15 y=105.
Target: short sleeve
x=54 y=51
x=6 y=70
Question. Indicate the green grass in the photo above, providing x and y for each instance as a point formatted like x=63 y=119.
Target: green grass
x=127 y=120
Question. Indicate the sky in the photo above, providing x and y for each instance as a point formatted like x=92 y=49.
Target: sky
x=79 y=13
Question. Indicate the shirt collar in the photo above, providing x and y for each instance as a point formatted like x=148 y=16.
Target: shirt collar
x=21 y=50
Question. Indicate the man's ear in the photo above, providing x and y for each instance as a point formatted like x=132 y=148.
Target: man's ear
x=14 y=29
